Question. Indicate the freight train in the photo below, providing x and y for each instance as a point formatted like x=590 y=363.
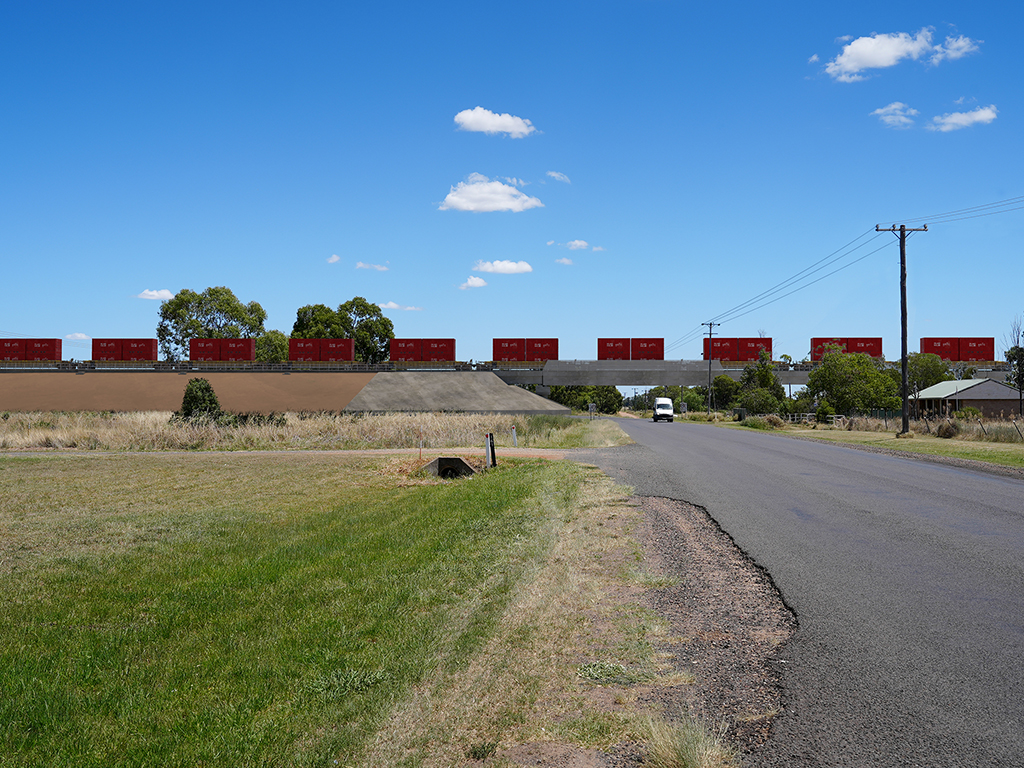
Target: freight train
x=954 y=349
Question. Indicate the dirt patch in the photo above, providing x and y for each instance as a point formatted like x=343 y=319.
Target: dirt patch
x=727 y=623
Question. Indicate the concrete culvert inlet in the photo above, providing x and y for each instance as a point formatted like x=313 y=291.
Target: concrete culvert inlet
x=449 y=467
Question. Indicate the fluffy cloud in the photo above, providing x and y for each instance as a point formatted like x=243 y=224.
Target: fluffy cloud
x=551 y=242
x=378 y=267
x=473 y=282
x=480 y=194
x=334 y=259
x=598 y=248
x=896 y=115
x=954 y=121
x=393 y=305
x=503 y=267
x=484 y=121
x=563 y=260
x=162 y=295
x=77 y=337
x=577 y=245
x=882 y=51
x=559 y=176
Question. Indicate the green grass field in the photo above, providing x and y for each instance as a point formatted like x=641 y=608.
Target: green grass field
x=244 y=609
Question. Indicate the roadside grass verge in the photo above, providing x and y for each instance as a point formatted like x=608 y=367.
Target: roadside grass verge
x=247 y=609
x=153 y=431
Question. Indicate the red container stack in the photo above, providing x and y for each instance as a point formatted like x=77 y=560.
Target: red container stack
x=613 y=349
x=136 y=349
x=541 y=349
x=946 y=347
x=719 y=348
x=42 y=349
x=12 y=349
x=337 y=350
x=204 y=349
x=304 y=350
x=820 y=345
x=976 y=349
x=237 y=350
x=865 y=346
x=749 y=349
x=406 y=350
x=438 y=350
x=106 y=349
x=508 y=350
x=647 y=349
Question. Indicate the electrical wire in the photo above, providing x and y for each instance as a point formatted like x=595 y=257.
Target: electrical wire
x=974 y=212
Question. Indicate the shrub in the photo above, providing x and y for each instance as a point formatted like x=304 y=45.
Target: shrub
x=199 y=400
x=825 y=410
x=756 y=422
x=948 y=429
x=968 y=412
x=775 y=421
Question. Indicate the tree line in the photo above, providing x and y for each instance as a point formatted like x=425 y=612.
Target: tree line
x=217 y=313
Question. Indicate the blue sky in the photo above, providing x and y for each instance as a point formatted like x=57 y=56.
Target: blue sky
x=568 y=169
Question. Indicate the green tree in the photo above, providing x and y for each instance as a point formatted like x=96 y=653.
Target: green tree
x=761 y=375
x=695 y=401
x=1015 y=378
x=272 y=347
x=724 y=390
x=200 y=401
x=371 y=331
x=608 y=399
x=216 y=313
x=316 y=321
x=853 y=382
x=923 y=370
x=759 y=400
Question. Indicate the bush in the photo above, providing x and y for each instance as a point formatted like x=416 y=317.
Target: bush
x=825 y=410
x=755 y=422
x=948 y=429
x=969 y=412
x=200 y=401
x=775 y=421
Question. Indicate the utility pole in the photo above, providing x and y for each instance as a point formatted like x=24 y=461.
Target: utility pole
x=711 y=332
x=902 y=234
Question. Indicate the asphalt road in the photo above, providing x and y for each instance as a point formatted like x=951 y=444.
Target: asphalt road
x=906 y=577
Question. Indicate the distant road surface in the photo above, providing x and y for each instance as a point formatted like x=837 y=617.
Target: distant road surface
x=907 y=579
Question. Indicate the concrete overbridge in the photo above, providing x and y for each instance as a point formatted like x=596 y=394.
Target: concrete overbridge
x=634 y=373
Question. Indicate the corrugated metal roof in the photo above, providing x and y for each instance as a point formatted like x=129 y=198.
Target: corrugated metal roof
x=976 y=389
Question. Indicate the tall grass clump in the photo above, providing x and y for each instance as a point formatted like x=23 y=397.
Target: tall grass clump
x=689 y=744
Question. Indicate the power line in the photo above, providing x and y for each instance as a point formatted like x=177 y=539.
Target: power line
x=974 y=212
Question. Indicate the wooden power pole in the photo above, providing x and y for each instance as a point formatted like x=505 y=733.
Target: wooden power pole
x=902 y=234
x=711 y=332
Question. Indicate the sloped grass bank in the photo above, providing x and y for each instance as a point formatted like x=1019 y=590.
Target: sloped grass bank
x=244 y=609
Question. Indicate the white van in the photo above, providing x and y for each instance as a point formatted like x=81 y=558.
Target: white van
x=663 y=409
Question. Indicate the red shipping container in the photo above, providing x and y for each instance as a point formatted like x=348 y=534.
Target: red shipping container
x=541 y=349
x=237 y=350
x=438 y=350
x=337 y=350
x=506 y=350
x=647 y=349
x=818 y=346
x=974 y=349
x=613 y=349
x=139 y=349
x=749 y=349
x=204 y=349
x=946 y=347
x=42 y=349
x=406 y=350
x=719 y=348
x=106 y=349
x=304 y=350
x=12 y=349
x=865 y=346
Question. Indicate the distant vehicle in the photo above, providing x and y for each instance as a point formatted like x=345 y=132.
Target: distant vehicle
x=663 y=409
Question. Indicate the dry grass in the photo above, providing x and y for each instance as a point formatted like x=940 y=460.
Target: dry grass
x=152 y=431
x=689 y=744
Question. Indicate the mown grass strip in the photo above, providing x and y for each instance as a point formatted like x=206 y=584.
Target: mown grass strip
x=248 y=625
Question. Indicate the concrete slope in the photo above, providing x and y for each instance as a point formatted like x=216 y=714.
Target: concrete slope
x=478 y=392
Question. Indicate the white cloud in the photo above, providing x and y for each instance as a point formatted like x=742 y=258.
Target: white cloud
x=393 y=305
x=77 y=337
x=814 y=59
x=378 y=267
x=563 y=260
x=954 y=121
x=551 y=242
x=882 y=51
x=473 y=282
x=334 y=259
x=896 y=115
x=516 y=182
x=503 y=267
x=577 y=245
x=484 y=121
x=162 y=295
x=480 y=194
x=559 y=176
x=598 y=248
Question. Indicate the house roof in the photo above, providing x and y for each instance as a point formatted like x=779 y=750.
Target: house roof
x=975 y=389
